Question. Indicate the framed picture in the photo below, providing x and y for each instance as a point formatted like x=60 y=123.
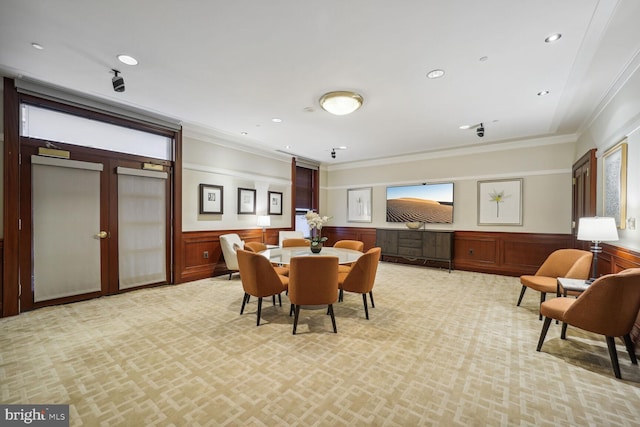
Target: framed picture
x=359 y=204
x=614 y=182
x=211 y=199
x=246 y=201
x=275 y=203
x=500 y=202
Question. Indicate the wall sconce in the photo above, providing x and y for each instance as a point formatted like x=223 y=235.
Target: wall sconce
x=264 y=221
x=597 y=229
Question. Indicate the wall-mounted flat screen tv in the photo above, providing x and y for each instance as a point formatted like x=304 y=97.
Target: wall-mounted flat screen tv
x=428 y=203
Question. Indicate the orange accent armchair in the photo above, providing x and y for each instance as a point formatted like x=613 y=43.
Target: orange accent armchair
x=259 y=247
x=289 y=243
x=608 y=307
x=313 y=281
x=572 y=263
x=355 y=245
x=259 y=279
x=361 y=277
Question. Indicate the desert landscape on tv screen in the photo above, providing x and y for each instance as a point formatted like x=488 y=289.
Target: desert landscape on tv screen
x=429 y=204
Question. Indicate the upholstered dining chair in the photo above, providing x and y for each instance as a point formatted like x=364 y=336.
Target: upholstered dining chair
x=259 y=279
x=313 y=281
x=571 y=263
x=282 y=235
x=361 y=277
x=608 y=307
x=229 y=243
x=355 y=245
x=259 y=247
x=289 y=243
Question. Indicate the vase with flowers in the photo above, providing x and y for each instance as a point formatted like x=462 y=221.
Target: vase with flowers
x=316 y=222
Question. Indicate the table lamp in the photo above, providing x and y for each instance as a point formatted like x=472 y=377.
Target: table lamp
x=264 y=221
x=597 y=229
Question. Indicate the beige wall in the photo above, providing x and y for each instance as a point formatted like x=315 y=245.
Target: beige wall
x=210 y=160
x=620 y=119
x=544 y=165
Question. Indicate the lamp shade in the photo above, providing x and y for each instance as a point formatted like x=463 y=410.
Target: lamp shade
x=341 y=103
x=264 y=221
x=597 y=229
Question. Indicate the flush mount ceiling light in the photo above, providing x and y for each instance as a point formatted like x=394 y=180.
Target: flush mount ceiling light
x=341 y=102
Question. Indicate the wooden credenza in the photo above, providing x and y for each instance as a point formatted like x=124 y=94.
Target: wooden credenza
x=426 y=245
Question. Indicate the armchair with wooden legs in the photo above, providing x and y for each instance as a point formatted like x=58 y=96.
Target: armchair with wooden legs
x=355 y=245
x=259 y=279
x=608 y=307
x=571 y=263
x=259 y=247
x=361 y=277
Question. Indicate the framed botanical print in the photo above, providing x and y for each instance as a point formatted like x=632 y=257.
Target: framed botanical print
x=246 y=201
x=614 y=183
x=211 y=199
x=359 y=204
x=275 y=203
x=500 y=202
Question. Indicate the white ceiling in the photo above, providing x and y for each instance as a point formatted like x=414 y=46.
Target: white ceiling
x=228 y=67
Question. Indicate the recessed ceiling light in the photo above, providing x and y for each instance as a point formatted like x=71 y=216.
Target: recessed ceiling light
x=552 y=37
x=465 y=127
x=483 y=58
x=276 y=120
x=435 y=74
x=37 y=46
x=126 y=59
x=243 y=133
x=543 y=93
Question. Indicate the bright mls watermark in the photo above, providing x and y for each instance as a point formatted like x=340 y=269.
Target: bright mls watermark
x=34 y=415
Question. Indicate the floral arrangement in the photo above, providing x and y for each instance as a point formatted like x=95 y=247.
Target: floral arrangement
x=316 y=222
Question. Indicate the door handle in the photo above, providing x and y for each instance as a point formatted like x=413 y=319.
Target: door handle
x=102 y=235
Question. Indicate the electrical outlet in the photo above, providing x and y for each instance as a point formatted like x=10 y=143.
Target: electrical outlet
x=205 y=254
x=470 y=251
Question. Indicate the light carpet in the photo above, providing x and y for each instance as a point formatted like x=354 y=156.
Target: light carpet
x=444 y=349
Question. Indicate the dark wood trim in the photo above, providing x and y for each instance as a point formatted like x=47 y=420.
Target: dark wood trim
x=614 y=259
x=195 y=243
x=10 y=291
x=177 y=255
x=584 y=176
x=293 y=193
x=510 y=254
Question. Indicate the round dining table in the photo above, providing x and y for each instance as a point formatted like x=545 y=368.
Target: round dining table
x=283 y=255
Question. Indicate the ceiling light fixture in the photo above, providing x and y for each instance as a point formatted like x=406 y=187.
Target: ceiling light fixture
x=552 y=38
x=341 y=103
x=276 y=120
x=117 y=81
x=543 y=93
x=126 y=59
x=435 y=74
x=37 y=46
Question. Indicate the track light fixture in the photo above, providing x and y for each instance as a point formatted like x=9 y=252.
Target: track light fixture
x=117 y=81
x=480 y=130
x=333 y=153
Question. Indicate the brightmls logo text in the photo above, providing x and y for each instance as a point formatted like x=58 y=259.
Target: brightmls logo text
x=36 y=415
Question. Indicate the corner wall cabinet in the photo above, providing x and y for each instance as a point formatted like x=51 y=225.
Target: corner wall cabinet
x=426 y=245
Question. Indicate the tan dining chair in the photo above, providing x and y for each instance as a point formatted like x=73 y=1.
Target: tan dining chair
x=361 y=278
x=259 y=247
x=313 y=280
x=355 y=245
x=571 y=263
x=259 y=279
x=608 y=307
x=290 y=243
x=282 y=235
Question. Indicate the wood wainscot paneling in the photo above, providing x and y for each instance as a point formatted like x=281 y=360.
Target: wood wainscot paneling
x=614 y=259
x=510 y=254
x=367 y=235
x=1 y=272
x=202 y=254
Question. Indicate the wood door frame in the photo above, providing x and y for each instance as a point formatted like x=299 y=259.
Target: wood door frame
x=11 y=101
x=588 y=161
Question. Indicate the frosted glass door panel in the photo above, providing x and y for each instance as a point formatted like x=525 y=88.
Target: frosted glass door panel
x=66 y=221
x=142 y=227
